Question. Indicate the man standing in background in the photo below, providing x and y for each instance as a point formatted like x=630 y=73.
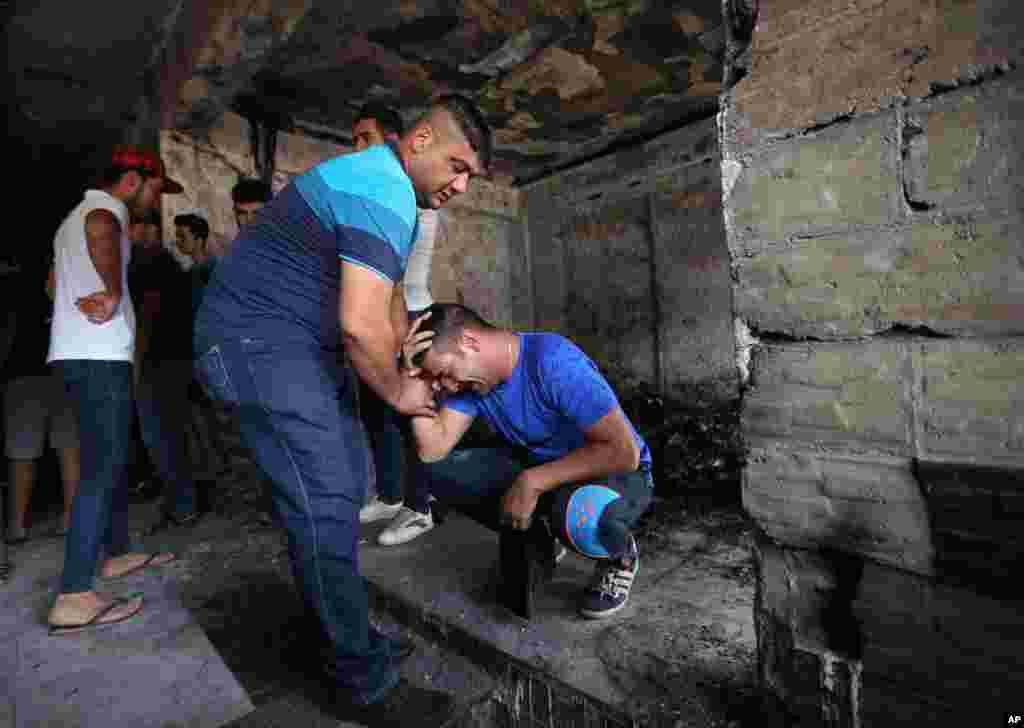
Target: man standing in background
x=36 y=408
x=161 y=292
x=92 y=346
x=248 y=196
x=377 y=124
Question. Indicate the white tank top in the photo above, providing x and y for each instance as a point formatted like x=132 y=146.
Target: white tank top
x=71 y=334
x=416 y=282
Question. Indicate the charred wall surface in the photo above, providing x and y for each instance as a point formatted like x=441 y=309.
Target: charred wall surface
x=629 y=260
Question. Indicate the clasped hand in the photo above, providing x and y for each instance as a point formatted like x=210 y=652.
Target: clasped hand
x=416 y=398
x=98 y=307
x=416 y=341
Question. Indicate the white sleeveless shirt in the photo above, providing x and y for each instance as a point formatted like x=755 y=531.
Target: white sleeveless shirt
x=72 y=336
x=416 y=282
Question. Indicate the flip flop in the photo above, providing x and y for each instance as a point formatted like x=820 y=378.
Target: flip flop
x=96 y=621
x=145 y=563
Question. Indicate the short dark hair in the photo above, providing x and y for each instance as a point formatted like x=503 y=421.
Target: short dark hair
x=387 y=118
x=248 y=190
x=199 y=227
x=471 y=122
x=448 y=321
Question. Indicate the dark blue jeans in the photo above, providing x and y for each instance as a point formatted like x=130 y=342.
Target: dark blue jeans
x=101 y=395
x=475 y=480
x=384 y=427
x=162 y=401
x=296 y=411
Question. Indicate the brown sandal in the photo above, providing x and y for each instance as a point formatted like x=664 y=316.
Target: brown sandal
x=144 y=564
x=96 y=621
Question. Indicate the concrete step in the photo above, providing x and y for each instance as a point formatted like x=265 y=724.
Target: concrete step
x=677 y=655
x=430 y=666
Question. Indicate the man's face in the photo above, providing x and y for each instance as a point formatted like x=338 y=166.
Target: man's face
x=440 y=170
x=367 y=132
x=245 y=212
x=147 y=194
x=457 y=371
x=187 y=243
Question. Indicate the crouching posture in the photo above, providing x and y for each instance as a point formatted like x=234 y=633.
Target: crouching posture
x=563 y=432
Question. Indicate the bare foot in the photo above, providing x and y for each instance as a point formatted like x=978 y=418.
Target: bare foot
x=127 y=563
x=81 y=607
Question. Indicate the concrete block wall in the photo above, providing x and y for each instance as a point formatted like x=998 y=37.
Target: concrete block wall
x=872 y=166
x=629 y=259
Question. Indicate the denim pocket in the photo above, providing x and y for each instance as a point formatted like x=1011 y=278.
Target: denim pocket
x=213 y=377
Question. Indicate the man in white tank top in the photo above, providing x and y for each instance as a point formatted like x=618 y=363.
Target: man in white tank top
x=92 y=344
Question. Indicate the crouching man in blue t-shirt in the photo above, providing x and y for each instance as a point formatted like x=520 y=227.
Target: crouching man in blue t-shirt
x=563 y=429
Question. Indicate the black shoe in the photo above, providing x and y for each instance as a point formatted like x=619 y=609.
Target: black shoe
x=168 y=521
x=399 y=649
x=403 y=706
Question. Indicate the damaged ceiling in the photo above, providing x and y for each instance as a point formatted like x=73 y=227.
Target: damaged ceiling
x=561 y=81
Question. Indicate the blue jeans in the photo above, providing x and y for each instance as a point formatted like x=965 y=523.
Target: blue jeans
x=475 y=480
x=101 y=395
x=296 y=411
x=162 y=401
x=384 y=426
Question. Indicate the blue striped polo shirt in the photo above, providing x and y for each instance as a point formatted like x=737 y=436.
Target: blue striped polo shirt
x=281 y=280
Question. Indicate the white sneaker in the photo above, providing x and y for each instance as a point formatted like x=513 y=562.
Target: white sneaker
x=378 y=510
x=406 y=526
x=560 y=552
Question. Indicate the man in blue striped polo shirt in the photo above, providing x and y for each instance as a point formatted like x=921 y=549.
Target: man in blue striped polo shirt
x=315 y=272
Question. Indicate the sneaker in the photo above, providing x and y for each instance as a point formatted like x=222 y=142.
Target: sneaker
x=408 y=524
x=609 y=591
x=560 y=552
x=378 y=510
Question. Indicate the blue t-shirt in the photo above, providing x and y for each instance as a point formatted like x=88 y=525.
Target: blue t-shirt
x=555 y=394
x=281 y=279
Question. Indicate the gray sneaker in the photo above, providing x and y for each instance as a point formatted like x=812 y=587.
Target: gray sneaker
x=406 y=526
x=378 y=510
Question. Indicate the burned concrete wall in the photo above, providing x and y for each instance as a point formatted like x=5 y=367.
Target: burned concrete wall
x=480 y=257
x=872 y=168
x=629 y=259
x=207 y=168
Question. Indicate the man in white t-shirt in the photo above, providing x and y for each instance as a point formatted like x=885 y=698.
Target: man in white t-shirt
x=377 y=124
x=92 y=345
